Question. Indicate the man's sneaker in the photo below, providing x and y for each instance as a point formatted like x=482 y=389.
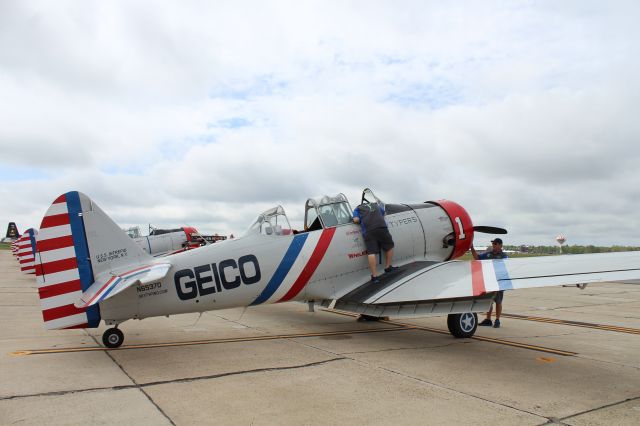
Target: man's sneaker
x=496 y=324
x=488 y=323
x=375 y=280
x=390 y=269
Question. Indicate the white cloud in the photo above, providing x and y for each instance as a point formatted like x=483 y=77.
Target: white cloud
x=207 y=113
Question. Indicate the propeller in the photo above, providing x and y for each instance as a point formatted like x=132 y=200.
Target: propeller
x=489 y=230
x=450 y=239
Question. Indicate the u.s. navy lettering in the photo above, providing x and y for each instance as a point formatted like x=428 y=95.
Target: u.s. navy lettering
x=211 y=278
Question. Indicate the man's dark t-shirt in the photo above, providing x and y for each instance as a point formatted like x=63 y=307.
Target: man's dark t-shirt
x=371 y=217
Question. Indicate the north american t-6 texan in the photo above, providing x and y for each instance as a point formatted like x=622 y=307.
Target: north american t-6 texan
x=89 y=270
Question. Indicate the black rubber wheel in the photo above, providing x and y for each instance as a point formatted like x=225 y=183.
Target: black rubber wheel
x=113 y=338
x=462 y=325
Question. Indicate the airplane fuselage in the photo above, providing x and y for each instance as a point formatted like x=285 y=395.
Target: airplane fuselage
x=315 y=265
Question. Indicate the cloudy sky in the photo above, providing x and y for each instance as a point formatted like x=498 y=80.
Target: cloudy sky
x=207 y=113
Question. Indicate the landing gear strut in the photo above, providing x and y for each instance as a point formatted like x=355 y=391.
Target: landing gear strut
x=462 y=325
x=112 y=338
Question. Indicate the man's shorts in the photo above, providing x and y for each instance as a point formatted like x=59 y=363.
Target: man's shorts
x=499 y=297
x=377 y=239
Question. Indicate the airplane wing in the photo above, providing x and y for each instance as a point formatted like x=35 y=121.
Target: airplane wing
x=111 y=283
x=458 y=286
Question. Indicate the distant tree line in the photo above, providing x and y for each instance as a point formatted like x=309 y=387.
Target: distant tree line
x=573 y=249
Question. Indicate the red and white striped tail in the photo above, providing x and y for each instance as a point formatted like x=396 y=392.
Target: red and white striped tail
x=63 y=267
x=25 y=251
x=14 y=248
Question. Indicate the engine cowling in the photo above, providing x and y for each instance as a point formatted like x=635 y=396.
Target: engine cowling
x=461 y=238
x=194 y=239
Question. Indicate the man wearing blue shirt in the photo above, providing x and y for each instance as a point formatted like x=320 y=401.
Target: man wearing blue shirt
x=495 y=253
x=370 y=216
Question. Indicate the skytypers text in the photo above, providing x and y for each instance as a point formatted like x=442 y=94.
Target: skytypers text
x=214 y=278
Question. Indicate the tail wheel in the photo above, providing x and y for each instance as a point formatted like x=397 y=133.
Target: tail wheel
x=462 y=325
x=113 y=338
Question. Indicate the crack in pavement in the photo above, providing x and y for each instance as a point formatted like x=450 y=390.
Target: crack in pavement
x=554 y=421
x=238 y=322
x=613 y=404
x=548 y=335
x=404 y=349
x=236 y=373
x=607 y=362
x=591 y=305
x=133 y=381
x=406 y=376
x=171 y=381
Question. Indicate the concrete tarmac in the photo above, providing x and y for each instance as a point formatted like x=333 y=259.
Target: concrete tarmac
x=281 y=364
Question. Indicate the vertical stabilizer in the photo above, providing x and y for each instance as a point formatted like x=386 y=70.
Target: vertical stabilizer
x=12 y=232
x=25 y=252
x=63 y=267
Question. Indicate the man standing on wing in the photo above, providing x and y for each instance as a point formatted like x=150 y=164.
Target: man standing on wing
x=370 y=216
x=495 y=253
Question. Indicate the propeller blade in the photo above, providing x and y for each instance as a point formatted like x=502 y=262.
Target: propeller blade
x=489 y=230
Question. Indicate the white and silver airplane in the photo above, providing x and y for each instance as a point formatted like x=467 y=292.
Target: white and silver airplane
x=165 y=242
x=89 y=270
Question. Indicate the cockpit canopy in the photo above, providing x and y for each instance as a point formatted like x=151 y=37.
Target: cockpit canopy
x=326 y=212
x=321 y=212
x=271 y=222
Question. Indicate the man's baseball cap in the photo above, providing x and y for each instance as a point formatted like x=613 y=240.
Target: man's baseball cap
x=497 y=241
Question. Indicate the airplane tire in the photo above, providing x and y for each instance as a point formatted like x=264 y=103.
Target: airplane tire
x=113 y=338
x=462 y=325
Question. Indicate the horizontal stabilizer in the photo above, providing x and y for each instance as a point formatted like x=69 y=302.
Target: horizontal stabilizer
x=109 y=284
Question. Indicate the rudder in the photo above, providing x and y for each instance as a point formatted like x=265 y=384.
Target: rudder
x=25 y=251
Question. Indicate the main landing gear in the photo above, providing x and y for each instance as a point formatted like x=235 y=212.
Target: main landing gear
x=462 y=325
x=113 y=338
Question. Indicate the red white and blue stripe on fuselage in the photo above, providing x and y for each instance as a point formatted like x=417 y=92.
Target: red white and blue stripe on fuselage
x=300 y=261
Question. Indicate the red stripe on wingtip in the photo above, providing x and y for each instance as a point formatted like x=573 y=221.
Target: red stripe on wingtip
x=310 y=267
x=61 y=312
x=54 y=243
x=477 y=278
x=58 y=289
x=55 y=220
x=56 y=266
x=60 y=199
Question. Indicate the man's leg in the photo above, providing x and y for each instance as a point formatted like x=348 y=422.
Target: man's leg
x=372 y=264
x=498 y=301
x=389 y=258
x=487 y=320
x=498 y=310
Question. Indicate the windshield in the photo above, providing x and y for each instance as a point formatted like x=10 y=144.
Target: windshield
x=327 y=212
x=271 y=222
